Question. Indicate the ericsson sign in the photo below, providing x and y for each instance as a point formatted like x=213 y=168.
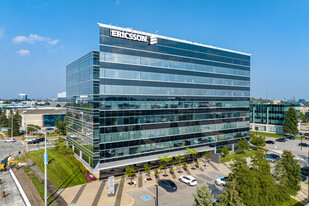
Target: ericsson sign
x=133 y=36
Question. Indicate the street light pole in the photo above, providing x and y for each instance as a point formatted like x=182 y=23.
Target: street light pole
x=12 y=125
x=157 y=196
x=45 y=170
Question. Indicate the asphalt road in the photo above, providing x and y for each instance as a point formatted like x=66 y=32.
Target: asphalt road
x=13 y=148
x=292 y=145
x=183 y=196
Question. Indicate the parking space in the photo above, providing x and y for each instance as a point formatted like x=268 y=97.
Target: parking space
x=183 y=196
x=301 y=154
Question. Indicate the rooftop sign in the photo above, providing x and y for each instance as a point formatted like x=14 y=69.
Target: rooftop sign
x=133 y=36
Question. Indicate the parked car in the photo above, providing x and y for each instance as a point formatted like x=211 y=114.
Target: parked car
x=283 y=139
x=168 y=185
x=304 y=171
x=10 y=140
x=304 y=177
x=188 y=179
x=270 y=142
x=290 y=138
x=307 y=138
x=303 y=144
x=275 y=156
x=221 y=181
x=269 y=158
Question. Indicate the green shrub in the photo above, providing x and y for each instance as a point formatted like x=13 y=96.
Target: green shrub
x=225 y=151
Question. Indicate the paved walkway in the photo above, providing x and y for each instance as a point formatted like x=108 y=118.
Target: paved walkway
x=95 y=193
x=8 y=186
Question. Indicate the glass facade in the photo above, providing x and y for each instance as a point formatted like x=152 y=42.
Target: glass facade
x=270 y=113
x=132 y=99
x=49 y=120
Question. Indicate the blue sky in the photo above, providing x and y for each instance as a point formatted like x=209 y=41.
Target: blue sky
x=39 y=38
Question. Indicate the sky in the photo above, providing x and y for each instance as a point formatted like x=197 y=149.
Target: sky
x=38 y=38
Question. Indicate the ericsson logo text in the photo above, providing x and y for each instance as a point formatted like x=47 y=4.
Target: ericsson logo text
x=129 y=36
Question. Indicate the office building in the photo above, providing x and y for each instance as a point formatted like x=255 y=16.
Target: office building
x=269 y=117
x=62 y=97
x=22 y=97
x=144 y=95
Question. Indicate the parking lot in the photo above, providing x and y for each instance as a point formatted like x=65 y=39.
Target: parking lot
x=183 y=196
x=292 y=145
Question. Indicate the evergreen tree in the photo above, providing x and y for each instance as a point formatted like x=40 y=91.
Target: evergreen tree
x=3 y=119
x=288 y=170
x=290 y=122
x=203 y=196
x=231 y=196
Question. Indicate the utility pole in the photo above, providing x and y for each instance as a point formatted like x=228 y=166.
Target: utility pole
x=12 y=125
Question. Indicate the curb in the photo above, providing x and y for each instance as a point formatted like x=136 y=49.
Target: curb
x=24 y=196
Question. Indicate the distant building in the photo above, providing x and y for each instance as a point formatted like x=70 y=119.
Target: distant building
x=22 y=97
x=301 y=101
x=62 y=97
x=276 y=101
x=269 y=117
x=43 y=117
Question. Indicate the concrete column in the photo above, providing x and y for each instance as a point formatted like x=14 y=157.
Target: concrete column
x=232 y=147
x=80 y=154
x=215 y=151
x=267 y=115
x=73 y=147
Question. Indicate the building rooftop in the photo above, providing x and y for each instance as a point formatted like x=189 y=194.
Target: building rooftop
x=43 y=111
x=168 y=38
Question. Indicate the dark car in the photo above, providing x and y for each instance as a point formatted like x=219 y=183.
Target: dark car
x=41 y=139
x=304 y=171
x=169 y=185
x=35 y=141
x=269 y=158
x=290 y=138
x=304 y=177
x=283 y=139
x=275 y=156
x=303 y=144
x=270 y=142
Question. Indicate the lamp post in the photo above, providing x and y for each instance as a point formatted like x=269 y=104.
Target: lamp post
x=45 y=164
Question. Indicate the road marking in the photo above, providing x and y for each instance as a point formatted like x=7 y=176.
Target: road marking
x=149 y=191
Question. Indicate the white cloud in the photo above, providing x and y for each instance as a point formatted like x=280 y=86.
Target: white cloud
x=33 y=38
x=23 y=52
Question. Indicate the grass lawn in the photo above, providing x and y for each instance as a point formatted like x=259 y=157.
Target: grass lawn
x=290 y=202
x=61 y=171
x=266 y=134
x=232 y=156
x=36 y=182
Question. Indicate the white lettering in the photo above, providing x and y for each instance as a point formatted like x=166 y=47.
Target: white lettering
x=129 y=36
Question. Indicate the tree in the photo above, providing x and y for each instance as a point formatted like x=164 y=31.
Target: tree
x=290 y=122
x=130 y=172
x=179 y=159
x=243 y=145
x=254 y=183
x=3 y=119
x=31 y=129
x=203 y=196
x=231 y=196
x=225 y=151
x=16 y=123
x=192 y=152
x=165 y=159
x=147 y=169
x=61 y=126
x=287 y=172
x=257 y=141
x=58 y=105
